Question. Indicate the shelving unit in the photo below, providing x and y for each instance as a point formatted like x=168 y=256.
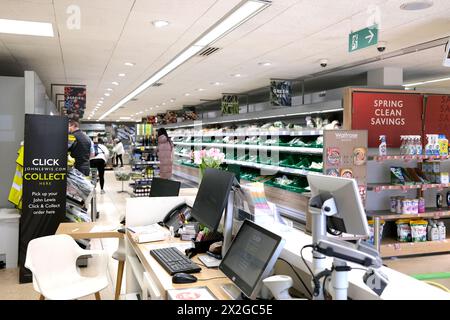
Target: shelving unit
x=253 y=147
x=407 y=158
x=430 y=213
x=378 y=187
x=209 y=133
x=390 y=247
x=394 y=248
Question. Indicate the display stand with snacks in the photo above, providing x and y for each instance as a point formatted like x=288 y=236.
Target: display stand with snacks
x=408 y=195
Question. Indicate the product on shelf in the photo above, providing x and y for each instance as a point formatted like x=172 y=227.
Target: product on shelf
x=418 y=230
x=432 y=147
x=403 y=230
x=443 y=145
x=433 y=231
x=371 y=238
x=382 y=148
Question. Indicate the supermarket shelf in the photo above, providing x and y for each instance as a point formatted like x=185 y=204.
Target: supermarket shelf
x=274 y=114
x=301 y=172
x=294 y=133
x=182 y=155
x=377 y=187
x=393 y=248
x=408 y=158
x=145 y=163
x=253 y=147
x=145 y=147
x=433 y=213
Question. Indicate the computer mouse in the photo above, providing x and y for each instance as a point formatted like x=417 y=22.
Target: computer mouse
x=183 y=278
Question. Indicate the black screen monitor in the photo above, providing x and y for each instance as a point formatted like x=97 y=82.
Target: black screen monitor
x=212 y=197
x=164 y=188
x=251 y=257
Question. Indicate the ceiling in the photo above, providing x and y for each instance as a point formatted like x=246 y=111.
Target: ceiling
x=292 y=34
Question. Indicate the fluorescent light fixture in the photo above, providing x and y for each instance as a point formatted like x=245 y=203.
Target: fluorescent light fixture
x=107 y=94
x=172 y=100
x=425 y=82
x=200 y=89
x=242 y=13
x=28 y=28
x=97 y=120
x=230 y=22
x=125 y=118
x=265 y=64
x=121 y=74
x=115 y=83
x=216 y=83
x=117 y=120
x=130 y=64
x=160 y=23
x=101 y=98
x=163 y=103
x=236 y=75
x=109 y=89
x=156 y=106
x=187 y=94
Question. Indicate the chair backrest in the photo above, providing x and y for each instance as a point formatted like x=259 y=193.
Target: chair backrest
x=164 y=188
x=52 y=258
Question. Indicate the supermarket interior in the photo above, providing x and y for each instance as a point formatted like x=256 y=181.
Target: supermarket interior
x=224 y=150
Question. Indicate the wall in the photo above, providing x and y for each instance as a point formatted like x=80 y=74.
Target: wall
x=36 y=99
x=12 y=115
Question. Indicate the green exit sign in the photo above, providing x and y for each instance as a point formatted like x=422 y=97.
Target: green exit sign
x=363 y=38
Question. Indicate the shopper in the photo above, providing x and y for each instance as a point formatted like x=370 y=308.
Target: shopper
x=165 y=154
x=99 y=161
x=118 y=151
x=81 y=147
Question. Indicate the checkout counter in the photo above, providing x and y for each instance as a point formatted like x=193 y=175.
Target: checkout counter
x=147 y=277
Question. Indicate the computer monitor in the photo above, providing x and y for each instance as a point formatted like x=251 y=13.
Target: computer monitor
x=351 y=217
x=212 y=197
x=251 y=257
x=164 y=188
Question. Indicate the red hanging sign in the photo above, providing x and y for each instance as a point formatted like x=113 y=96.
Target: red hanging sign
x=389 y=114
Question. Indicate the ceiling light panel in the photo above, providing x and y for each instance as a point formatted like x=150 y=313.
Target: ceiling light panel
x=29 y=28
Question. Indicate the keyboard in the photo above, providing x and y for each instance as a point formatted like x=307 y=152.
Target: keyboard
x=173 y=261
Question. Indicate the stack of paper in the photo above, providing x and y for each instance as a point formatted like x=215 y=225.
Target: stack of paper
x=149 y=233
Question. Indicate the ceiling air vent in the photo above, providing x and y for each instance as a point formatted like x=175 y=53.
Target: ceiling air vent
x=208 y=51
x=134 y=99
x=157 y=84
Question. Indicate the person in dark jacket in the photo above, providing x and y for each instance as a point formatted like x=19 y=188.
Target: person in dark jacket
x=81 y=147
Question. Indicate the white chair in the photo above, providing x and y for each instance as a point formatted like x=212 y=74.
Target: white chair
x=120 y=256
x=52 y=260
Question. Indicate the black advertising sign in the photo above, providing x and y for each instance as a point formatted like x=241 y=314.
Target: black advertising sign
x=75 y=100
x=230 y=104
x=280 y=93
x=44 y=181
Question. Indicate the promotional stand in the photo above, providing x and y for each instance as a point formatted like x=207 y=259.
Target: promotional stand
x=44 y=181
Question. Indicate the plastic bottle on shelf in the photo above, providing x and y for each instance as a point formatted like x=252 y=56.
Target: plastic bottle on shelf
x=418 y=141
x=429 y=145
x=382 y=148
x=443 y=145
x=435 y=232
x=411 y=146
x=402 y=145
x=442 y=230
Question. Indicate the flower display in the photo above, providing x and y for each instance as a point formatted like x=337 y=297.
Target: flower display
x=211 y=158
